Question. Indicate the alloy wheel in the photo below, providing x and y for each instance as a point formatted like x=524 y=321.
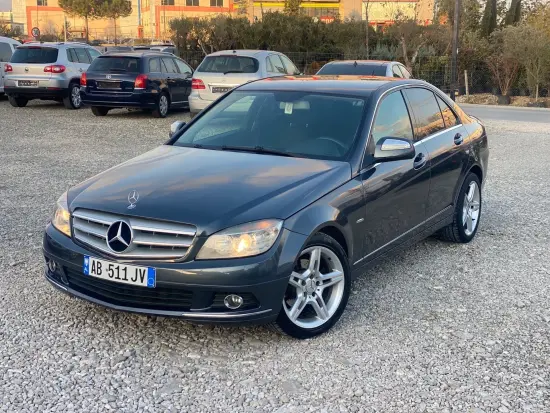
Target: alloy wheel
x=315 y=289
x=75 y=96
x=163 y=105
x=470 y=208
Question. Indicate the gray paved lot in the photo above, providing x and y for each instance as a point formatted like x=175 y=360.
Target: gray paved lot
x=439 y=328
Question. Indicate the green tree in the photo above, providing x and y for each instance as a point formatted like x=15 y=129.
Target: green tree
x=503 y=60
x=533 y=45
x=115 y=9
x=292 y=7
x=470 y=14
x=87 y=9
x=7 y=31
x=489 y=19
x=513 y=15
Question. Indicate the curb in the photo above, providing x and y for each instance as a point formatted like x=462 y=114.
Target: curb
x=505 y=107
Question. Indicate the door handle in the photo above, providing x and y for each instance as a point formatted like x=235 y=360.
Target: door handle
x=458 y=139
x=419 y=161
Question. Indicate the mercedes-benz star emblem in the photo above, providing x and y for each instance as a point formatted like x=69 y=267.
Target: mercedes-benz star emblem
x=119 y=236
x=133 y=197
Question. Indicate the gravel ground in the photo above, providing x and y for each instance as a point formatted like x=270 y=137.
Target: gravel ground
x=439 y=328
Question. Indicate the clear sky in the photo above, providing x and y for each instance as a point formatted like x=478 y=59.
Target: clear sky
x=5 y=5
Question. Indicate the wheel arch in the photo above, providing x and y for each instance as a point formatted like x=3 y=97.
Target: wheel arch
x=476 y=169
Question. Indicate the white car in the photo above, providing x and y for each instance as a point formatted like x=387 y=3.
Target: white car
x=220 y=72
x=7 y=47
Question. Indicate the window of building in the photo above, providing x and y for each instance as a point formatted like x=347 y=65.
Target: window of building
x=167 y=2
x=41 y=2
x=427 y=112
x=191 y=2
x=216 y=3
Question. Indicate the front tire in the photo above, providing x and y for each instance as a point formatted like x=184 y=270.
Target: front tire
x=318 y=289
x=18 y=102
x=467 y=212
x=99 y=111
x=73 y=101
x=161 y=107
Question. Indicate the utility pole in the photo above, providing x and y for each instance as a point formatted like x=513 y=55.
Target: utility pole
x=65 y=26
x=454 y=58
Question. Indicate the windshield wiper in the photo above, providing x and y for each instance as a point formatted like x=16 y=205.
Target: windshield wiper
x=233 y=71
x=257 y=149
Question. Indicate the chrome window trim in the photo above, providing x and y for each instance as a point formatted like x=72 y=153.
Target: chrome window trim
x=435 y=135
x=382 y=96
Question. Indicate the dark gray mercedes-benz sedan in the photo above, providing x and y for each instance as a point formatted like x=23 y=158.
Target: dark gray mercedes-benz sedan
x=266 y=206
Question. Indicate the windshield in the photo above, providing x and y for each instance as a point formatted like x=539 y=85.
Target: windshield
x=115 y=64
x=34 y=55
x=303 y=124
x=352 y=69
x=228 y=64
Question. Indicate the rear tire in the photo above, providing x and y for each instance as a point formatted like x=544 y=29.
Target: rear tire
x=73 y=101
x=18 y=102
x=467 y=213
x=99 y=111
x=162 y=106
x=318 y=289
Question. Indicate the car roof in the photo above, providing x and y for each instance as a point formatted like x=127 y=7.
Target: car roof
x=352 y=85
x=8 y=40
x=244 y=52
x=138 y=53
x=55 y=44
x=360 y=62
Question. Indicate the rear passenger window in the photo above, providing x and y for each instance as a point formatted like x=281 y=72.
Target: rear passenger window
x=183 y=67
x=169 y=65
x=448 y=115
x=426 y=110
x=5 y=52
x=82 y=56
x=276 y=64
x=392 y=119
x=93 y=53
x=71 y=55
x=405 y=72
x=396 y=71
x=154 y=66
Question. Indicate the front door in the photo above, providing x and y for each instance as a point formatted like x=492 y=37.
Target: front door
x=396 y=192
x=443 y=135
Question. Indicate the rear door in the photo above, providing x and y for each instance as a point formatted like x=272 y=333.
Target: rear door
x=438 y=127
x=174 y=80
x=5 y=55
x=396 y=192
x=186 y=74
x=28 y=63
x=222 y=73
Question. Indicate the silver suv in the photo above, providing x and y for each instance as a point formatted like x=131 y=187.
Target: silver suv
x=47 y=71
x=220 y=72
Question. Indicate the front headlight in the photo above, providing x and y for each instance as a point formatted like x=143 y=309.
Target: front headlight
x=62 y=217
x=244 y=240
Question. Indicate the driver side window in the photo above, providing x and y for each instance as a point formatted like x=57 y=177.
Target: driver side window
x=392 y=119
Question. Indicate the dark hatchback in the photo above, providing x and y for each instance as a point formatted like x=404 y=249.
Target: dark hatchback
x=154 y=81
x=266 y=205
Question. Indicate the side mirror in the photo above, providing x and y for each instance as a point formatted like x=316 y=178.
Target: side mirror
x=393 y=149
x=175 y=127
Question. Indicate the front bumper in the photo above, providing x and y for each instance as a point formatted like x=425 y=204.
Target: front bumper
x=192 y=290
x=135 y=99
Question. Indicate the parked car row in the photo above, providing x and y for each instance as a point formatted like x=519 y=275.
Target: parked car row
x=148 y=77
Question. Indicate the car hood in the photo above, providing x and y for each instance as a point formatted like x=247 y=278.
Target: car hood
x=208 y=188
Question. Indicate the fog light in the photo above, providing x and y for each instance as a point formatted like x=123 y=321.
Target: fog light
x=233 y=301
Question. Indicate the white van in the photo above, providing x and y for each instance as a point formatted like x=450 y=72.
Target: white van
x=7 y=47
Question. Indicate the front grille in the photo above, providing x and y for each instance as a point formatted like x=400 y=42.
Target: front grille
x=152 y=240
x=159 y=298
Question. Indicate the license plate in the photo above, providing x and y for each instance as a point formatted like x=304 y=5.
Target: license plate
x=120 y=273
x=108 y=85
x=28 y=83
x=220 y=89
